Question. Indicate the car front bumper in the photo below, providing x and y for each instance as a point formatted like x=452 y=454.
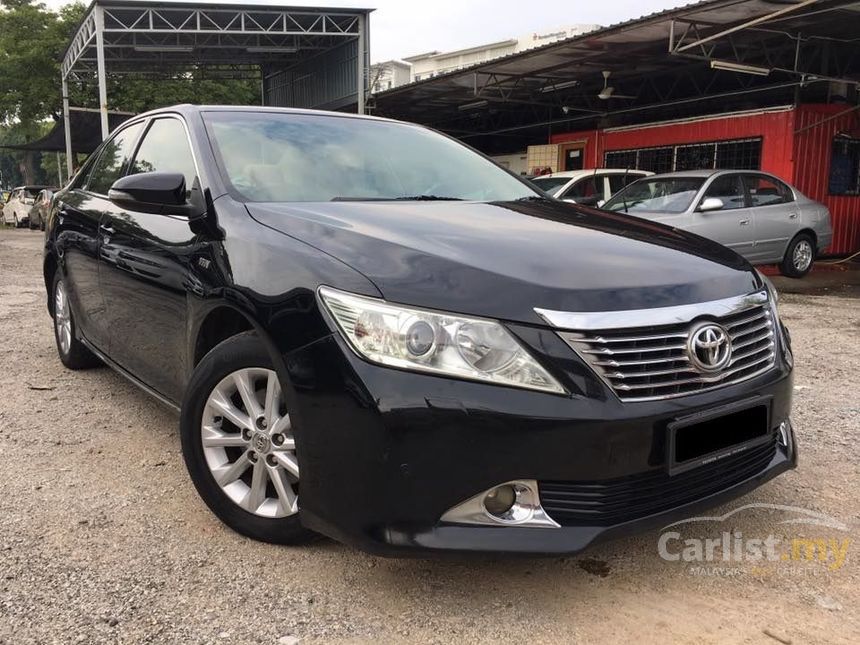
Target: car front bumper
x=385 y=453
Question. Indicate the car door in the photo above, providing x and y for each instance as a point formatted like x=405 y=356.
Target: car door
x=144 y=269
x=775 y=214
x=80 y=210
x=733 y=224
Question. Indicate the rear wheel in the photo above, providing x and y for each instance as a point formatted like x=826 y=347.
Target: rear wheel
x=239 y=445
x=73 y=353
x=799 y=256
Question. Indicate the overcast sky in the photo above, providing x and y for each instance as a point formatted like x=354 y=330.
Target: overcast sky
x=401 y=28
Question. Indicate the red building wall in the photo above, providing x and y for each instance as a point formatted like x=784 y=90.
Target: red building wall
x=812 y=151
x=802 y=159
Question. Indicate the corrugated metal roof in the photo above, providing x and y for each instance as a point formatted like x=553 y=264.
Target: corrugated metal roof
x=516 y=94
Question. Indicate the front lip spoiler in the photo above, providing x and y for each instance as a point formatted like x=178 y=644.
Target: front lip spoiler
x=567 y=540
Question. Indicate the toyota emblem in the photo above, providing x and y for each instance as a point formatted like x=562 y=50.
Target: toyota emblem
x=709 y=347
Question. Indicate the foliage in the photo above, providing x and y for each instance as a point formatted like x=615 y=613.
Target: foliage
x=32 y=42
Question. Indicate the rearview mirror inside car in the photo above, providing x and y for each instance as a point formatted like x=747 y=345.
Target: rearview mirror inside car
x=162 y=193
x=710 y=204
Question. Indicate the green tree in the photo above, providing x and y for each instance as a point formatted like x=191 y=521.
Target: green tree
x=32 y=42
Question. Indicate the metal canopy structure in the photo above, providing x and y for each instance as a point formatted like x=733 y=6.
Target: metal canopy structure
x=163 y=40
x=711 y=56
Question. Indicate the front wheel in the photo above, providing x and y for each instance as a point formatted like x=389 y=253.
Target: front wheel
x=238 y=442
x=799 y=256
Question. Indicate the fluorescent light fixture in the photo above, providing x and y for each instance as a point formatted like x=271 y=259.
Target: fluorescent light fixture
x=271 y=50
x=739 y=67
x=182 y=49
x=474 y=105
x=559 y=86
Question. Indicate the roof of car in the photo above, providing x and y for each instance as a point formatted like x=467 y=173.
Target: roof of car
x=705 y=172
x=591 y=171
x=188 y=108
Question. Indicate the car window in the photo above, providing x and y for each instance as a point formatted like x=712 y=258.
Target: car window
x=728 y=189
x=112 y=159
x=670 y=195
x=165 y=148
x=765 y=191
x=584 y=188
x=550 y=184
x=617 y=182
x=294 y=157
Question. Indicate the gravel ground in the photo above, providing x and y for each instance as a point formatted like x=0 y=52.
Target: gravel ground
x=103 y=538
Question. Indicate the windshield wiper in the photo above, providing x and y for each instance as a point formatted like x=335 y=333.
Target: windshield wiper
x=533 y=198
x=404 y=198
x=427 y=198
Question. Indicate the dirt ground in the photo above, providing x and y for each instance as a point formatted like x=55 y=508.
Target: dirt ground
x=103 y=538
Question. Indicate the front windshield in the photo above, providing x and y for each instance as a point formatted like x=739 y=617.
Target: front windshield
x=656 y=195
x=292 y=157
x=550 y=184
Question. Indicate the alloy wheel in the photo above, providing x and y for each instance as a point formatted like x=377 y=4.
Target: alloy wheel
x=248 y=443
x=62 y=317
x=802 y=256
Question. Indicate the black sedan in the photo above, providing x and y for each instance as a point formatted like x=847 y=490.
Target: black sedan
x=375 y=333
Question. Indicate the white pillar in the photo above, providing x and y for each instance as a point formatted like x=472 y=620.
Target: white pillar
x=100 y=59
x=360 y=66
x=67 y=126
x=59 y=172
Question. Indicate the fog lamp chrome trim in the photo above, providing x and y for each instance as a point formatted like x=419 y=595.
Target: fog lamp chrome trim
x=784 y=433
x=528 y=504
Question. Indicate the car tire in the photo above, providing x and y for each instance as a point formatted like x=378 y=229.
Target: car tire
x=799 y=256
x=238 y=444
x=73 y=353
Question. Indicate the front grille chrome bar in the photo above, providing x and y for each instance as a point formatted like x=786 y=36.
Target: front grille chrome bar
x=646 y=360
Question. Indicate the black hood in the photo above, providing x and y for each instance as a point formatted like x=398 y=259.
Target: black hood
x=502 y=260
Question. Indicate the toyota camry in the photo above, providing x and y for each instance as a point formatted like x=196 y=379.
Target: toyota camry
x=374 y=333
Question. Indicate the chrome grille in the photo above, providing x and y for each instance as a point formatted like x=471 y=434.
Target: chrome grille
x=652 y=362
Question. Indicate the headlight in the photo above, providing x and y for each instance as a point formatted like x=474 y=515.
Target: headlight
x=782 y=330
x=436 y=342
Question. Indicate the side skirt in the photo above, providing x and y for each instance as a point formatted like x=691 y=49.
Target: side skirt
x=122 y=372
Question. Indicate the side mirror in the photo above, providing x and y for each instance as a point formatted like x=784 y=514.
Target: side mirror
x=162 y=193
x=710 y=204
x=591 y=200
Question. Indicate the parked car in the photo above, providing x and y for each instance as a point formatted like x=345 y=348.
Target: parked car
x=754 y=213
x=374 y=333
x=16 y=211
x=587 y=187
x=40 y=207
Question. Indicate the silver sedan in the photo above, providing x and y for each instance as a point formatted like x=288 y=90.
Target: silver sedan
x=756 y=214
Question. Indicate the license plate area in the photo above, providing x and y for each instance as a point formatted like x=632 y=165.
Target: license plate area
x=708 y=436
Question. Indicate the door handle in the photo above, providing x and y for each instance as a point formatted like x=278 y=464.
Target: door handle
x=106 y=229
x=792 y=216
x=744 y=222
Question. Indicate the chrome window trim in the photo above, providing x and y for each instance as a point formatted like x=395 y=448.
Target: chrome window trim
x=594 y=320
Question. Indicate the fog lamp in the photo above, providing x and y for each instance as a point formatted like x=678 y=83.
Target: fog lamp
x=500 y=500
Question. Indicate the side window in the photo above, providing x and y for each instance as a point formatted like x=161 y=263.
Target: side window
x=112 y=159
x=765 y=191
x=584 y=188
x=165 y=148
x=729 y=190
x=617 y=182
